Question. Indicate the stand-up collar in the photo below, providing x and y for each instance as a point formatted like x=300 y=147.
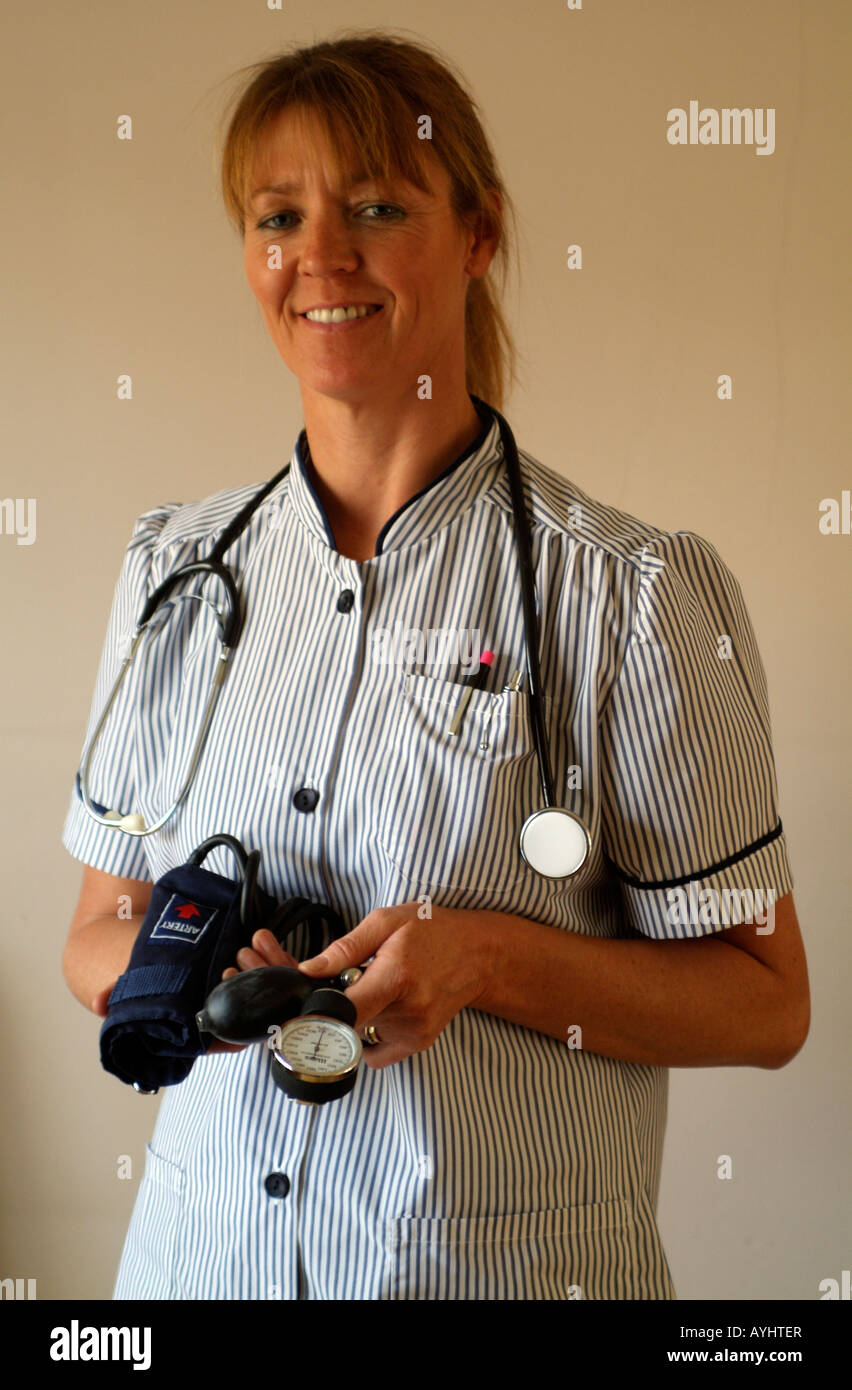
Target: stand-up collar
x=460 y=484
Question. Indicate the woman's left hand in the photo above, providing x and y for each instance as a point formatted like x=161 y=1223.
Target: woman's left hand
x=423 y=972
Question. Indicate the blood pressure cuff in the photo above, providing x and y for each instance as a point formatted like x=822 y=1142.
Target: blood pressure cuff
x=195 y=924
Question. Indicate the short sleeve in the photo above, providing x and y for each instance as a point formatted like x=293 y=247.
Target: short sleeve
x=689 y=797
x=110 y=779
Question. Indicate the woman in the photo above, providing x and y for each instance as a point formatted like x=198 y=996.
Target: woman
x=504 y=1138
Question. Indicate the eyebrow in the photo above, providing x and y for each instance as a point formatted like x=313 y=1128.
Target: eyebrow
x=289 y=188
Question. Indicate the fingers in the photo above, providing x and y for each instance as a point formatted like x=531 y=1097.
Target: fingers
x=358 y=945
x=100 y=1003
x=270 y=948
x=265 y=949
x=247 y=959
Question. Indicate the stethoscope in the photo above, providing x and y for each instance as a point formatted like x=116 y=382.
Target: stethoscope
x=553 y=840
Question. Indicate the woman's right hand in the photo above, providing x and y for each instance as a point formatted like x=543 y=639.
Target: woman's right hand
x=265 y=950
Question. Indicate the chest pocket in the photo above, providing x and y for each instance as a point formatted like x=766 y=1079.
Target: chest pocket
x=450 y=807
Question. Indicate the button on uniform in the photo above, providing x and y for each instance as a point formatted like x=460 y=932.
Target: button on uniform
x=346 y=601
x=277 y=1184
x=305 y=799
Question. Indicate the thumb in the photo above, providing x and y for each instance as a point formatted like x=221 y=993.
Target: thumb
x=358 y=945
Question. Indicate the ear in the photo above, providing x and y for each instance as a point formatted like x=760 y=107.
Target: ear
x=485 y=234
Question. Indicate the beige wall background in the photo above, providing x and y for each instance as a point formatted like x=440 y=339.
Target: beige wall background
x=697 y=261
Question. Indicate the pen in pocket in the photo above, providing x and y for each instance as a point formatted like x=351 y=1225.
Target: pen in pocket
x=514 y=684
x=474 y=682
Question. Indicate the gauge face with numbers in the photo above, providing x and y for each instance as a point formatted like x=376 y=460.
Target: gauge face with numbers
x=318 y=1048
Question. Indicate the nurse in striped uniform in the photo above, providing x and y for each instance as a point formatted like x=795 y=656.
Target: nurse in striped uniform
x=504 y=1138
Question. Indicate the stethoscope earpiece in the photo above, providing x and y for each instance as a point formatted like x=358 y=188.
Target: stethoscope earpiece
x=133 y=823
x=554 y=842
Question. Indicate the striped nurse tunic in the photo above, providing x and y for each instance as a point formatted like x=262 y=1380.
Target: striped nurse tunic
x=499 y=1163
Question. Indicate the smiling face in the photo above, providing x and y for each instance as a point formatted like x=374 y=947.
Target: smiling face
x=357 y=243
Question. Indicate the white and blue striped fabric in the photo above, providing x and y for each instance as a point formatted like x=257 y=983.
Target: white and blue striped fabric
x=500 y=1163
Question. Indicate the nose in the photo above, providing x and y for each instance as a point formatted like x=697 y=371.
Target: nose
x=327 y=245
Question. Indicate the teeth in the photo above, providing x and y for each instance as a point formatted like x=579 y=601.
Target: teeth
x=352 y=311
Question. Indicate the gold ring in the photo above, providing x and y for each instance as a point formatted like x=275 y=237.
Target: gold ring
x=371 y=1037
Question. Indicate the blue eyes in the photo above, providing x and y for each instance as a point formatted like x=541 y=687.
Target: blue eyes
x=390 y=212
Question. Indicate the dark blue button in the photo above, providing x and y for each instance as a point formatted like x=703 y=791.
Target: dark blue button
x=346 y=601
x=277 y=1184
x=305 y=799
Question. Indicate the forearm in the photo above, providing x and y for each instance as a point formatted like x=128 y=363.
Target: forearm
x=97 y=954
x=696 y=1003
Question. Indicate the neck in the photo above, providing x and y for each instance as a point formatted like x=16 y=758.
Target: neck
x=366 y=461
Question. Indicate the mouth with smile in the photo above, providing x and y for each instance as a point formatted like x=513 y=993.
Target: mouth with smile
x=338 y=315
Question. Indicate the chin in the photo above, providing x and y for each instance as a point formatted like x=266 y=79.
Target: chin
x=342 y=386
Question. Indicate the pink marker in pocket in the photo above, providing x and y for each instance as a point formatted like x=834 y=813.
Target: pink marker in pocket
x=474 y=682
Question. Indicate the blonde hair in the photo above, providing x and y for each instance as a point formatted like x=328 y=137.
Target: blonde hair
x=368 y=89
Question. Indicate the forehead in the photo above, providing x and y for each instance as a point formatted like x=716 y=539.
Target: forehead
x=297 y=147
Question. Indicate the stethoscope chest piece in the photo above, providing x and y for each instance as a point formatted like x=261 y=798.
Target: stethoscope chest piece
x=554 y=842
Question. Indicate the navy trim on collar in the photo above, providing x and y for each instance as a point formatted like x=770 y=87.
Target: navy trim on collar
x=471 y=449
x=304 y=455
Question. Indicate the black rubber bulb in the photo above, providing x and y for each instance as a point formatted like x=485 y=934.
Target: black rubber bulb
x=244 y=1008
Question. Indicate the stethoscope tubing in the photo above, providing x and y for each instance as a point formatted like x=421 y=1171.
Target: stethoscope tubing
x=523 y=543
x=231 y=623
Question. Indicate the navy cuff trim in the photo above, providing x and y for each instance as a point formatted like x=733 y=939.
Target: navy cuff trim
x=700 y=873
